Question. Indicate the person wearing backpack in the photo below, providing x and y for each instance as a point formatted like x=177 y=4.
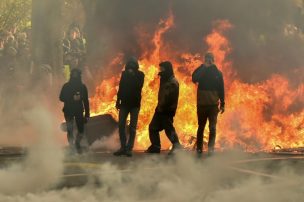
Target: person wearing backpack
x=74 y=95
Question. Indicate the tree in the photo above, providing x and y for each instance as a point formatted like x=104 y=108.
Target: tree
x=15 y=13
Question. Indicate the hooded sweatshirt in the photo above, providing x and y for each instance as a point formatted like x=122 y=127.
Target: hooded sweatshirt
x=71 y=106
x=168 y=91
x=130 y=85
x=210 y=85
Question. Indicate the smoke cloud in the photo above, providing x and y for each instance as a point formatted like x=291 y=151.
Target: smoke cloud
x=42 y=166
x=182 y=178
x=107 y=143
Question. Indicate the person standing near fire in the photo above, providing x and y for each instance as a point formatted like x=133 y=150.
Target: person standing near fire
x=210 y=100
x=74 y=95
x=165 y=111
x=128 y=102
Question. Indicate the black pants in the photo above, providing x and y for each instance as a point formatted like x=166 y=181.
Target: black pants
x=79 y=118
x=162 y=122
x=205 y=113
x=123 y=115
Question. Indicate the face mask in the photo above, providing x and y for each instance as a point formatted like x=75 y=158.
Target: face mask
x=161 y=73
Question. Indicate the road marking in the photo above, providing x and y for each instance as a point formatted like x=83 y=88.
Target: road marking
x=256 y=173
x=268 y=159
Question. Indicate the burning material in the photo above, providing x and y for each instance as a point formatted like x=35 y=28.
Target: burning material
x=289 y=151
x=258 y=116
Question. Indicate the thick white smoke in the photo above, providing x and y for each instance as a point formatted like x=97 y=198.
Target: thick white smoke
x=42 y=166
x=181 y=178
x=108 y=143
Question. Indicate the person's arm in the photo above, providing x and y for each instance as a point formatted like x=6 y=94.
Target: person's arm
x=141 y=80
x=62 y=96
x=86 y=102
x=197 y=74
x=119 y=90
x=221 y=92
x=170 y=97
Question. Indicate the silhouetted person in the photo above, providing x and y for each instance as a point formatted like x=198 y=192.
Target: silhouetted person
x=128 y=102
x=165 y=111
x=210 y=100
x=74 y=94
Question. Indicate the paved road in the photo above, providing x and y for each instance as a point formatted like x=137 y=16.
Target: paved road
x=79 y=169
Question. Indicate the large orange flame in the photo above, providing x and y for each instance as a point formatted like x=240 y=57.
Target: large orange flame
x=256 y=115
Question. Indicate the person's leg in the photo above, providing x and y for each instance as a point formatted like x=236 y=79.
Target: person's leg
x=80 y=126
x=212 y=118
x=69 y=120
x=123 y=114
x=154 y=128
x=132 y=128
x=202 y=119
x=170 y=131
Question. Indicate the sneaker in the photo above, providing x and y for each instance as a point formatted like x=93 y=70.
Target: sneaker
x=119 y=152
x=153 y=150
x=174 y=147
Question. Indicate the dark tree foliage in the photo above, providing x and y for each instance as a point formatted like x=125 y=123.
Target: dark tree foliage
x=15 y=13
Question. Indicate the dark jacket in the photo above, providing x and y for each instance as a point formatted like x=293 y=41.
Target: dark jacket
x=130 y=87
x=210 y=85
x=168 y=96
x=71 y=106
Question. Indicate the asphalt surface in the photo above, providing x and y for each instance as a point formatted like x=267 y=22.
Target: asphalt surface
x=80 y=169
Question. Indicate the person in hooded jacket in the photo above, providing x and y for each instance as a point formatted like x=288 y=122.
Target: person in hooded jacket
x=74 y=95
x=165 y=111
x=210 y=100
x=128 y=102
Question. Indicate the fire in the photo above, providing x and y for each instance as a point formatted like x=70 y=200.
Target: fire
x=256 y=116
